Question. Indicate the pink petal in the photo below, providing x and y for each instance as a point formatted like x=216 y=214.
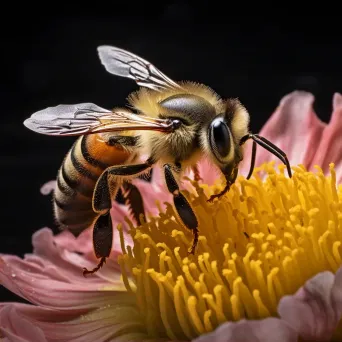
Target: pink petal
x=48 y=187
x=294 y=127
x=48 y=247
x=329 y=149
x=53 y=277
x=265 y=330
x=50 y=287
x=315 y=310
x=152 y=192
x=157 y=175
x=31 y=323
x=208 y=172
x=17 y=328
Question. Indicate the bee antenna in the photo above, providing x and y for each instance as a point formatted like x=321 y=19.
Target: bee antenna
x=253 y=157
x=267 y=145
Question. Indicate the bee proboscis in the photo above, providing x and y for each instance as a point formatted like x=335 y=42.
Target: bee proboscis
x=173 y=124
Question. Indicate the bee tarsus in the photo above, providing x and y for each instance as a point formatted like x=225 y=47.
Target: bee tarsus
x=221 y=193
x=95 y=269
x=193 y=246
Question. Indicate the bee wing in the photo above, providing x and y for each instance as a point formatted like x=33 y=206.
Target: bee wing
x=88 y=118
x=123 y=63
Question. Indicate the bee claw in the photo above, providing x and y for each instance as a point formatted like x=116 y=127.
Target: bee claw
x=220 y=194
x=86 y=272
x=192 y=249
x=212 y=197
x=94 y=270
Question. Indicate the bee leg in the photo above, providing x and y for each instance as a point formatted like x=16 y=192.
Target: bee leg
x=220 y=194
x=183 y=209
x=105 y=190
x=102 y=240
x=229 y=181
x=253 y=156
x=134 y=201
x=197 y=176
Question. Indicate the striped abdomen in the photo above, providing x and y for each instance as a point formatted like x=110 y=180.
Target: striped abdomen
x=77 y=177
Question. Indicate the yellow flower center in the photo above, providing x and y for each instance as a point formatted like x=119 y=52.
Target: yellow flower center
x=259 y=242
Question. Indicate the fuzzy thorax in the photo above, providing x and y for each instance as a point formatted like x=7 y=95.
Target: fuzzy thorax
x=169 y=148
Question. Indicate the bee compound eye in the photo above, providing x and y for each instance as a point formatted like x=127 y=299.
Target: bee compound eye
x=176 y=123
x=220 y=138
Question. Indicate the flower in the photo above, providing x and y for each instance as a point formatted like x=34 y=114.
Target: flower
x=279 y=256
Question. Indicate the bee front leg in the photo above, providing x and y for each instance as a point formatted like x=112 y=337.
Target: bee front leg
x=183 y=209
x=105 y=189
x=229 y=181
x=197 y=176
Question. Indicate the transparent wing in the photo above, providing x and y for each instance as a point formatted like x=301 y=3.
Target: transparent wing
x=123 y=63
x=88 y=118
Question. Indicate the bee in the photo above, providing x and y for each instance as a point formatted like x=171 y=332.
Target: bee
x=173 y=124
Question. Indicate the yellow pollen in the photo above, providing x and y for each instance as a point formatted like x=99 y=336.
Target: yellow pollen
x=260 y=241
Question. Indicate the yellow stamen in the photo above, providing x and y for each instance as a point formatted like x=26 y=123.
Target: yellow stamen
x=259 y=242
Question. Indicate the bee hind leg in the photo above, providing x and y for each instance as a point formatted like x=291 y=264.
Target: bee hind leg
x=102 y=241
x=184 y=211
x=105 y=189
x=134 y=201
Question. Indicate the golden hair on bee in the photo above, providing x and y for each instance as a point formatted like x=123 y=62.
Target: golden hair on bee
x=171 y=124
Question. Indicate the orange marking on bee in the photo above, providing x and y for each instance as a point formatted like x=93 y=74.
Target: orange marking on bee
x=100 y=150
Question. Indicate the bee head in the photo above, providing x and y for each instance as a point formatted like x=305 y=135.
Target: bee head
x=223 y=137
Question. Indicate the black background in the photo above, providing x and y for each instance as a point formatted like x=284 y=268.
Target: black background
x=49 y=60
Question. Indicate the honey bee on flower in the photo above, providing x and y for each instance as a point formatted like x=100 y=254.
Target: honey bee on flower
x=174 y=124
x=273 y=274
